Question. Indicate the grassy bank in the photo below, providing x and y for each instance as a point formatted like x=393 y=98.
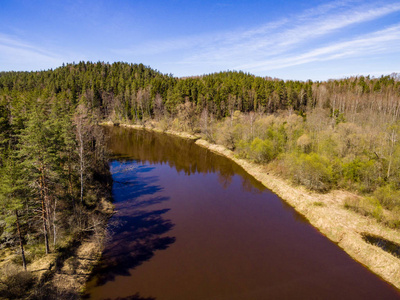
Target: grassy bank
x=325 y=211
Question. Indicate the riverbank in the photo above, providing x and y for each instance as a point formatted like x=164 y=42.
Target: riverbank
x=326 y=212
x=70 y=271
x=61 y=274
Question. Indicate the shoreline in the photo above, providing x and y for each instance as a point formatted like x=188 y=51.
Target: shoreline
x=325 y=212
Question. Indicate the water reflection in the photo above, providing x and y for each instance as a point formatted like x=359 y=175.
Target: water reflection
x=181 y=154
x=135 y=233
x=133 y=297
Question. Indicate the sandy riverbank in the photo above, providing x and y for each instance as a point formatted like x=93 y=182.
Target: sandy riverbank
x=326 y=212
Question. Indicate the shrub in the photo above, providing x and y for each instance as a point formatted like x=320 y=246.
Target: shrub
x=367 y=206
x=242 y=149
x=225 y=135
x=304 y=143
x=360 y=173
x=16 y=284
x=393 y=220
x=312 y=170
x=388 y=197
x=262 y=150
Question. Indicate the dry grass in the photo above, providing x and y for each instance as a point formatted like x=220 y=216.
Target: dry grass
x=76 y=270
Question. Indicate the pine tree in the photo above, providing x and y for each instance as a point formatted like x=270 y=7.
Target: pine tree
x=12 y=193
x=38 y=155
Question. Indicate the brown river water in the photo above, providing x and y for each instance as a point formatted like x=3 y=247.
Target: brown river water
x=191 y=225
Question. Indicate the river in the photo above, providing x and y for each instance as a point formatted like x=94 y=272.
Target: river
x=191 y=225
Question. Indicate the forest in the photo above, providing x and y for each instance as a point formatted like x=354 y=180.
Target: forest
x=54 y=181
x=336 y=134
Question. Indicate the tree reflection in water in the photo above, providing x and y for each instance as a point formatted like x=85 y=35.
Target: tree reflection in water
x=133 y=297
x=135 y=233
x=184 y=155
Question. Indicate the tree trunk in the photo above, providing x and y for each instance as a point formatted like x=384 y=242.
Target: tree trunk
x=46 y=236
x=44 y=210
x=391 y=151
x=81 y=158
x=44 y=218
x=54 y=223
x=21 y=245
x=70 y=185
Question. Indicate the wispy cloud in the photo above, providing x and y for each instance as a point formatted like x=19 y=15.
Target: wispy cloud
x=204 y=41
x=269 y=43
x=317 y=34
x=382 y=41
x=16 y=54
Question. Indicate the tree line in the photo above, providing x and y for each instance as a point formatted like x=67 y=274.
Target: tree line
x=134 y=92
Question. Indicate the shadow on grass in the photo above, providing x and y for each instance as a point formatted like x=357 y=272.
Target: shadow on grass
x=388 y=246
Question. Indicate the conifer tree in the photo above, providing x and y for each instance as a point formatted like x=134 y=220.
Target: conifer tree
x=37 y=153
x=12 y=193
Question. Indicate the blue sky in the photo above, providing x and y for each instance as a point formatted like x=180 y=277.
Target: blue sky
x=301 y=40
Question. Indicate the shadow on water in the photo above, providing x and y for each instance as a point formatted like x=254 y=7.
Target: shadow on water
x=134 y=190
x=134 y=240
x=133 y=297
x=135 y=231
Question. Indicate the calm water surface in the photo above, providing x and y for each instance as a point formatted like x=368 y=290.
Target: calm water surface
x=191 y=224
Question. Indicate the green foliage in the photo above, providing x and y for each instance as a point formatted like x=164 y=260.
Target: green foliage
x=373 y=206
x=360 y=173
x=338 y=116
x=376 y=210
x=368 y=206
x=242 y=149
x=262 y=150
x=312 y=170
x=353 y=170
x=388 y=197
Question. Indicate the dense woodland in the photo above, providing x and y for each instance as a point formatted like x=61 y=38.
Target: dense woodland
x=324 y=135
x=54 y=179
